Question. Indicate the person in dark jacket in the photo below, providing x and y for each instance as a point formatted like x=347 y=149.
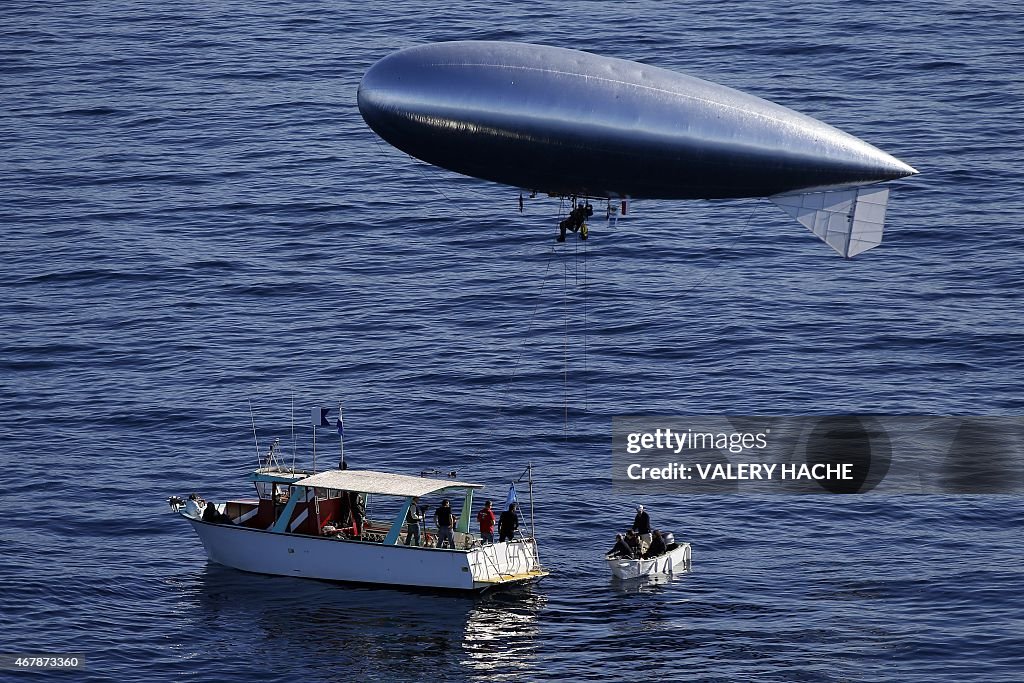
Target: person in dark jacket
x=657 y=546
x=507 y=524
x=344 y=510
x=212 y=514
x=576 y=221
x=358 y=512
x=642 y=525
x=413 y=520
x=621 y=548
x=633 y=543
x=445 y=519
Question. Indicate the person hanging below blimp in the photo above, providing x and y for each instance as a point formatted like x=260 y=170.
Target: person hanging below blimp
x=578 y=125
x=576 y=221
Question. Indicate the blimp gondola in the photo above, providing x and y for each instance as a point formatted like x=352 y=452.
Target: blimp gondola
x=573 y=124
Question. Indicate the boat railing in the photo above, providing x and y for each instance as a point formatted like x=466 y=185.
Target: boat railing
x=489 y=565
x=496 y=562
x=514 y=559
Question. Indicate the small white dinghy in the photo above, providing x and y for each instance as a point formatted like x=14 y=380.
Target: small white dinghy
x=675 y=560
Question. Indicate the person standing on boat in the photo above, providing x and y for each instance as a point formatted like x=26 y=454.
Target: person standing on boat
x=486 y=519
x=358 y=515
x=508 y=523
x=344 y=510
x=642 y=525
x=445 y=524
x=413 y=519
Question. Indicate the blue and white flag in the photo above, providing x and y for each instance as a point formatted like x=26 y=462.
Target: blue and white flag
x=340 y=424
x=512 y=497
x=318 y=417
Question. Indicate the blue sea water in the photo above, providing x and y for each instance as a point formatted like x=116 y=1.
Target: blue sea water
x=195 y=217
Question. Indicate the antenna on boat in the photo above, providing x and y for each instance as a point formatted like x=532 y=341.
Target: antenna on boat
x=251 y=417
x=272 y=462
x=293 y=433
x=341 y=437
x=533 y=526
x=528 y=473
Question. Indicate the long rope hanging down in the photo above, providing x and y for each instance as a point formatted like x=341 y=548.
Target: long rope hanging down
x=579 y=265
x=506 y=388
x=582 y=280
x=586 y=390
x=565 y=349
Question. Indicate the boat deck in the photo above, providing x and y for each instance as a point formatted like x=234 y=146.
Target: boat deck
x=508 y=578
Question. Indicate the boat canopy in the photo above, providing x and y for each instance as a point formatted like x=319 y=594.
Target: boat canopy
x=383 y=483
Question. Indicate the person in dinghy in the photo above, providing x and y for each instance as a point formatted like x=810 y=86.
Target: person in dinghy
x=657 y=546
x=621 y=548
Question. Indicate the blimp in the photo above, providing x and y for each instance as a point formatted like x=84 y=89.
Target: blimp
x=577 y=125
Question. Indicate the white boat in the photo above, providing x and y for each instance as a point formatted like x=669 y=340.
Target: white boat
x=292 y=528
x=675 y=560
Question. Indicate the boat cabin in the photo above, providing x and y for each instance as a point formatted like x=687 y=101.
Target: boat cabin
x=321 y=504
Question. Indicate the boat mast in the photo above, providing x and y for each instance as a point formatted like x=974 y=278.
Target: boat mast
x=253 y=418
x=533 y=526
x=293 y=433
x=341 y=437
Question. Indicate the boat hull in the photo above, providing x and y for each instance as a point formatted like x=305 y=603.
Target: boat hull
x=676 y=560
x=314 y=557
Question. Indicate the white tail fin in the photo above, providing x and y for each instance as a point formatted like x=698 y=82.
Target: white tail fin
x=849 y=221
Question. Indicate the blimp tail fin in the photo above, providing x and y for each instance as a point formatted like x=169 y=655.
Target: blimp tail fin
x=849 y=221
